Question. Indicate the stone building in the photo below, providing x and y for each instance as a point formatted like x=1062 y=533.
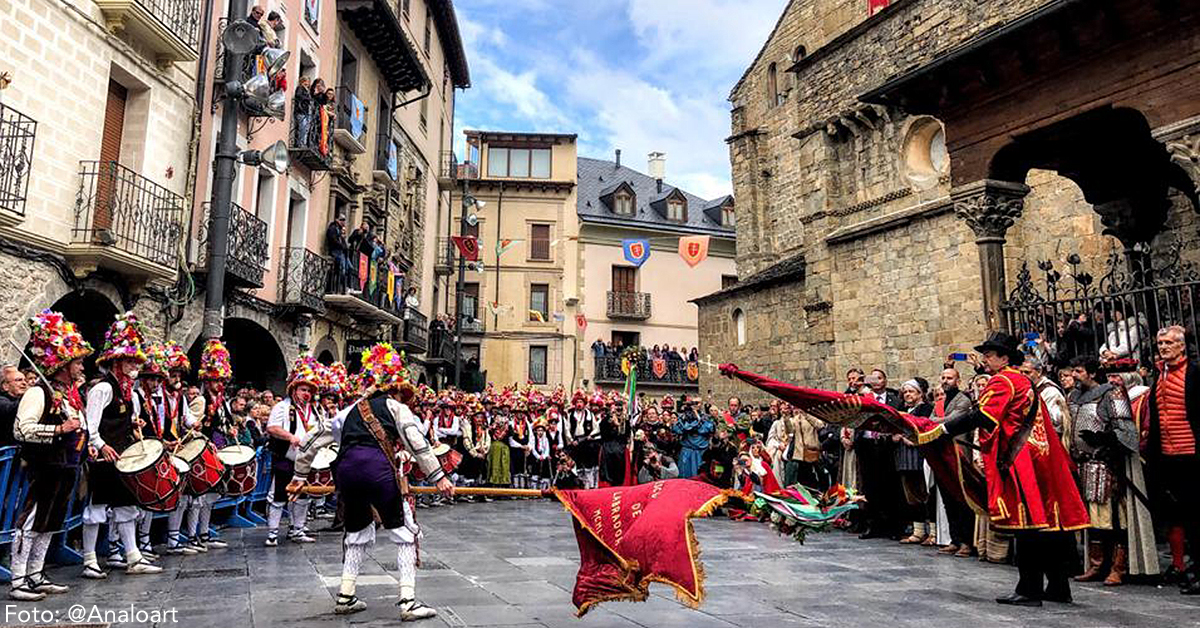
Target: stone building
x=900 y=176
x=126 y=227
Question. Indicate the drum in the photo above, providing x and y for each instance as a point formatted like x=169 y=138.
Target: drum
x=320 y=476
x=147 y=471
x=205 y=469
x=241 y=470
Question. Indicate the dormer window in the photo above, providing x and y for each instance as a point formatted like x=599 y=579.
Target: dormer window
x=727 y=217
x=676 y=210
x=623 y=203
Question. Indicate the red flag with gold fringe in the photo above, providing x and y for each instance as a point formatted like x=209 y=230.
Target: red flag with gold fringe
x=952 y=466
x=631 y=536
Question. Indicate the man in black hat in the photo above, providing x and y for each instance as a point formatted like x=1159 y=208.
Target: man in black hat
x=1031 y=491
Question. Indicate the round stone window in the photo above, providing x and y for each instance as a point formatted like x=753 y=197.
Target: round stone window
x=923 y=153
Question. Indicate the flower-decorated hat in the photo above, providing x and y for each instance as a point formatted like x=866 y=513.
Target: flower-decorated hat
x=156 y=359
x=55 y=341
x=214 y=361
x=306 y=370
x=337 y=380
x=124 y=339
x=177 y=359
x=386 y=367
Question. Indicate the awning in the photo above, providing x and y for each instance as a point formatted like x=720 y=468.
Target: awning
x=374 y=23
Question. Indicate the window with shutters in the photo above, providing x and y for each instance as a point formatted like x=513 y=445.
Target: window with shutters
x=624 y=279
x=539 y=302
x=676 y=210
x=727 y=217
x=471 y=299
x=537 y=363
x=539 y=242
x=623 y=203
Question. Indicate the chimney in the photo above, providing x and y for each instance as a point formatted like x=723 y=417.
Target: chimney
x=618 y=158
x=656 y=165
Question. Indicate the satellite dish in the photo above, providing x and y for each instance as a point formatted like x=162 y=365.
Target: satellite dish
x=240 y=37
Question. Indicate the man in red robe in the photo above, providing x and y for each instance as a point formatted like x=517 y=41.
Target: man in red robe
x=1031 y=492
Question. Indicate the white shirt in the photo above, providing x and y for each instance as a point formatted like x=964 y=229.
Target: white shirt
x=279 y=417
x=455 y=428
x=97 y=401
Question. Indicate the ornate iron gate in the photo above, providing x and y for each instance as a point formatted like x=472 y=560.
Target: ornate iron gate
x=1063 y=314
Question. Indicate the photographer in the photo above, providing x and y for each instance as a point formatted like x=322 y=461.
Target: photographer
x=656 y=466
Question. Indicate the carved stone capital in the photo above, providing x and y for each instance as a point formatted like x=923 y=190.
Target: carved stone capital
x=1186 y=152
x=989 y=207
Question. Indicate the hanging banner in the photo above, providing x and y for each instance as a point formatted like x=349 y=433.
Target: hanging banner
x=693 y=249
x=468 y=247
x=391 y=287
x=374 y=269
x=505 y=245
x=363 y=262
x=659 y=367
x=581 y=322
x=693 y=371
x=637 y=251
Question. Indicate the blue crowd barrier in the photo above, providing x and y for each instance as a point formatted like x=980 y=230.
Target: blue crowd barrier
x=14 y=486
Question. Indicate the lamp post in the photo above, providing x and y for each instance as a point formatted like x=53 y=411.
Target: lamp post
x=467 y=202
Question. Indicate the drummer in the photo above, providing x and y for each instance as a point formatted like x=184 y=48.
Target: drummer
x=150 y=412
x=113 y=427
x=215 y=423
x=368 y=432
x=52 y=448
x=291 y=419
x=177 y=419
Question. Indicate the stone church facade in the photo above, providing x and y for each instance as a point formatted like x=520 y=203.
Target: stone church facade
x=895 y=173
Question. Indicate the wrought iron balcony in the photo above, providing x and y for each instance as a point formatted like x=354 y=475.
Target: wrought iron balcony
x=302 y=282
x=350 y=130
x=247 y=260
x=311 y=138
x=450 y=171
x=443 y=262
x=441 y=344
x=168 y=28
x=414 y=333
x=17 y=132
x=629 y=305
x=363 y=293
x=650 y=372
x=125 y=222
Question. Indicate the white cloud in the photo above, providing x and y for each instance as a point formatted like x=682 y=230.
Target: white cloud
x=698 y=36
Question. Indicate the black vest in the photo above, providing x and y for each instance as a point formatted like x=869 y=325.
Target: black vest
x=66 y=450
x=354 y=429
x=116 y=421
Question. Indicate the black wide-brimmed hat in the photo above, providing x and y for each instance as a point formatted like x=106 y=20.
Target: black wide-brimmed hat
x=1004 y=344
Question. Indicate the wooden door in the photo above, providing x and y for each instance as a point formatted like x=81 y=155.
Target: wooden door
x=624 y=285
x=108 y=170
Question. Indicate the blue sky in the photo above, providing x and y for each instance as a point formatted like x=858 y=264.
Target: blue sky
x=639 y=75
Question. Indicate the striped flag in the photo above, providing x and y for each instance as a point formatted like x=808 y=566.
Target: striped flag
x=631 y=394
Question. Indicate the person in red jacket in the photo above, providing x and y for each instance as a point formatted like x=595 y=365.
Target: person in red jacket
x=1031 y=491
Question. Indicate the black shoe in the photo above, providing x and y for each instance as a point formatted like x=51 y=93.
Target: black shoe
x=870 y=534
x=1174 y=576
x=1059 y=598
x=1191 y=588
x=1016 y=599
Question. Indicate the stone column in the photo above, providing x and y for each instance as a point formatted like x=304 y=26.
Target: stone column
x=989 y=208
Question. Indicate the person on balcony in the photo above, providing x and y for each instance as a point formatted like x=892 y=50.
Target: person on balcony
x=339 y=250
x=268 y=27
x=302 y=109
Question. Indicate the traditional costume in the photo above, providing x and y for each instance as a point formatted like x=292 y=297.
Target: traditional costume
x=498 y=456
x=1031 y=491
x=519 y=444
x=50 y=428
x=215 y=423
x=290 y=422
x=477 y=441
x=111 y=413
x=177 y=420
x=694 y=432
x=584 y=429
x=150 y=413
x=374 y=436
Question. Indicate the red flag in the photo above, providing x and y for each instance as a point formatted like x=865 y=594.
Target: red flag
x=581 y=322
x=693 y=249
x=953 y=467
x=875 y=6
x=468 y=247
x=634 y=535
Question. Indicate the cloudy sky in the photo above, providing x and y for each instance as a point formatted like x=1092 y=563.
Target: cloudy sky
x=639 y=75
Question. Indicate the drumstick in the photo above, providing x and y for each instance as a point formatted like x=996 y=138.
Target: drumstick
x=485 y=491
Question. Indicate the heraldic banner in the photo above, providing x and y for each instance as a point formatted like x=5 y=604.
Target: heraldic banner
x=630 y=536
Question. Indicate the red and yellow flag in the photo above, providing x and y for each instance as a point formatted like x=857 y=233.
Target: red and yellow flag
x=630 y=536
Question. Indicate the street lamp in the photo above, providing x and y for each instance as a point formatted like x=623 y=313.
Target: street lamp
x=468 y=219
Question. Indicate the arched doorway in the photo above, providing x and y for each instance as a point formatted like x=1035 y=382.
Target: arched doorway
x=92 y=313
x=257 y=359
x=326 y=357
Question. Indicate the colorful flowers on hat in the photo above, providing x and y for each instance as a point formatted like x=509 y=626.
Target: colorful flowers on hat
x=214 y=361
x=306 y=370
x=176 y=357
x=55 y=341
x=156 y=360
x=124 y=339
x=336 y=380
x=385 y=366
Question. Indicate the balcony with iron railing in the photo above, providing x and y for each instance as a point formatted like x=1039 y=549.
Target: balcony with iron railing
x=17 y=132
x=350 y=125
x=471 y=321
x=443 y=262
x=312 y=136
x=441 y=344
x=167 y=28
x=125 y=222
x=650 y=371
x=450 y=171
x=302 y=282
x=360 y=289
x=628 y=305
x=246 y=263
x=413 y=335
